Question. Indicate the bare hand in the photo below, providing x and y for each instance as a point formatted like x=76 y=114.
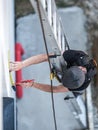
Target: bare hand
x=15 y=66
x=26 y=83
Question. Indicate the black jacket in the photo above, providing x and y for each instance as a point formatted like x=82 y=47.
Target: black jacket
x=79 y=58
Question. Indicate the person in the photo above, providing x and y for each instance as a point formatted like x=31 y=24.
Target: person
x=74 y=71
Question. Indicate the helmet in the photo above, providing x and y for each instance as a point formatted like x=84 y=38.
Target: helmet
x=73 y=77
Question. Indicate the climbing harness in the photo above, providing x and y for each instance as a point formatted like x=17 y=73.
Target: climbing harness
x=54 y=75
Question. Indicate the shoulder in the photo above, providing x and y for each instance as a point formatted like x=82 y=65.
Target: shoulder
x=69 y=54
x=74 y=52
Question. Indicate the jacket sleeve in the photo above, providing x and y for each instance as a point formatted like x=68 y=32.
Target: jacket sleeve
x=75 y=57
x=70 y=57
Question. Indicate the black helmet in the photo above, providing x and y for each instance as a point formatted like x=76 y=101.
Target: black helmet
x=73 y=77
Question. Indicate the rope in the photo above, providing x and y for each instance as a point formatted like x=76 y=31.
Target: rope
x=52 y=98
x=10 y=75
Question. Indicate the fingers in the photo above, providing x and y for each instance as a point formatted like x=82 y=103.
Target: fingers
x=17 y=83
x=10 y=67
x=14 y=66
x=26 y=83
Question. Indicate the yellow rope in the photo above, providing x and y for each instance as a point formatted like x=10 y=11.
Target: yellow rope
x=10 y=74
x=11 y=79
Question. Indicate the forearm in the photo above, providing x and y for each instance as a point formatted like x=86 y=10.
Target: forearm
x=35 y=60
x=15 y=66
x=47 y=88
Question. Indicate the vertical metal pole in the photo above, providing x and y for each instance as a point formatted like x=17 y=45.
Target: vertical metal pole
x=4 y=46
x=49 y=11
x=54 y=22
x=6 y=38
x=63 y=43
x=1 y=64
x=43 y=3
x=59 y=35
x=11 y=43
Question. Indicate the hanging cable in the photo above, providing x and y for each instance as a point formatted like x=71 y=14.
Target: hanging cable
x=40 y=17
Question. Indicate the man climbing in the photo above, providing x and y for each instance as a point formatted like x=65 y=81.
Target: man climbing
x=75 y=71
